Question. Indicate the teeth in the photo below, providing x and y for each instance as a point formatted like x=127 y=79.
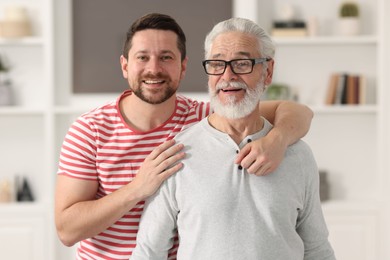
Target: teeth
x=153 y=81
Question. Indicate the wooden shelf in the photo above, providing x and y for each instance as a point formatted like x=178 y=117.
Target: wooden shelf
x=335 y=206
x=327 y=40
x=25 y=41
x=345 y=109
x=22 y=208
x=20 y=110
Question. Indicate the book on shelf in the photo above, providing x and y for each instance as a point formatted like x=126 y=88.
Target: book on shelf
x=346 y=89
x=332 y=89
x=292 y=28
x=291 y=24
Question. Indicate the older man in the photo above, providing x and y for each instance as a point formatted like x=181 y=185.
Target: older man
x=219 y=210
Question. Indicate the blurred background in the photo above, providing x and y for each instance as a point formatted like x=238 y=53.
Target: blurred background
x=59 y=59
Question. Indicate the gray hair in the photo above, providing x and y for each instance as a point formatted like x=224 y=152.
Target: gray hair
x=266 y=45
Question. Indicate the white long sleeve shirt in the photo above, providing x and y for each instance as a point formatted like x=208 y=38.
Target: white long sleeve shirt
x=221 y=212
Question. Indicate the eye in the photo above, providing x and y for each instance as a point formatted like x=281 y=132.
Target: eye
x=142 y=58
x=242 y=64
x=166 y=58
x=217 y=64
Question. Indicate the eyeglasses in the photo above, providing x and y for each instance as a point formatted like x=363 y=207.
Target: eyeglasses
x=238 y=66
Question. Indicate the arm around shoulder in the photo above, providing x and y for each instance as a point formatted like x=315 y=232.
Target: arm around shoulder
x=291 y=120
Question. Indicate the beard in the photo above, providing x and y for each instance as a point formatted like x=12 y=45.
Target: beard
x=154 y=96
x=234 y=109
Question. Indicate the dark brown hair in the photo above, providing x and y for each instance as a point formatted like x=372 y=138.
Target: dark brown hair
x=159 y=22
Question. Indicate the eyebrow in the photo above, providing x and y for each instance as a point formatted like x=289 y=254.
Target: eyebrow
x=168 y=52
x=160 y=53
x=240 y=54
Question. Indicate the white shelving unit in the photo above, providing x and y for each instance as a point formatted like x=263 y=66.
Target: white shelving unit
x=26 y=131
x=350 y=142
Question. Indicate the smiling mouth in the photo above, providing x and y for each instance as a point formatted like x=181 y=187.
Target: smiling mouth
x=153 y=82
x=230 y=89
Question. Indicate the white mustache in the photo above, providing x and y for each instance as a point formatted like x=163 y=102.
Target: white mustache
x=231 y=84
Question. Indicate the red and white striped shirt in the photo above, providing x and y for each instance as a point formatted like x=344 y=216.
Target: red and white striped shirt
x=99 y=146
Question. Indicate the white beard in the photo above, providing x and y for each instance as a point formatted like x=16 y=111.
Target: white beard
x=234 y=109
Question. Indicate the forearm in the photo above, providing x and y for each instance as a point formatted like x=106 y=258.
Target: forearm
x=79 y=215
x=88 y=218
x=292 y=122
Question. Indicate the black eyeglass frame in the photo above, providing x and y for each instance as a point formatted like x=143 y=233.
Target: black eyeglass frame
x=254 y=62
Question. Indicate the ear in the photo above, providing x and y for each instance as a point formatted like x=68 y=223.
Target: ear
x=270 y=72
x=183 y=68
x=123 y=62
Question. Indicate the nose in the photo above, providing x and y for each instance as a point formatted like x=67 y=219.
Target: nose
x=153 y=65
x=229 y=74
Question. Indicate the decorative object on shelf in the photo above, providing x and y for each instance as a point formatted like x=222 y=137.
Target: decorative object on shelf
x=6 y=92
x=346 y=89
x=16 y=23
x=294 y=28
x=3 y=66
x=287 y=12
x=287 y=23
x=324 y=186
x=5 y=191
x=24 y=192
x=278 y=92
x=312 y=26
x=349 y=23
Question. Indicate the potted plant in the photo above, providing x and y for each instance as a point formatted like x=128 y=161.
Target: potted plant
x=349 y=19
x=3 y=67
x=277 y=91
x=6 y=95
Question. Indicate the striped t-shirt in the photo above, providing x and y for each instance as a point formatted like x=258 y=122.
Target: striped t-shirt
x=99 y=146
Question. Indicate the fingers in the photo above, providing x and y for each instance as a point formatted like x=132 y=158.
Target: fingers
x=257 y=168
x=241 y=155
x=159 y=165
x=254 y=163
x=160 y=149
x=168 y=160
x=261 y=156
x=170 y=171
x=166 y=154
x=260 y=170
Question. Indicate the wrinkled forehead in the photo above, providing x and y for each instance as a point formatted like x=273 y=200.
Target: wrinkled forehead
x=234 y=44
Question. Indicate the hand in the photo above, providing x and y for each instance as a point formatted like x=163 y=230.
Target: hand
x=262 y=156
x=157 y=167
